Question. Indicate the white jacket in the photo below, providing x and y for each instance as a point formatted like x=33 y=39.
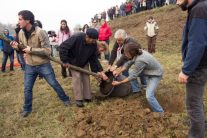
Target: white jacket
x=151 y=28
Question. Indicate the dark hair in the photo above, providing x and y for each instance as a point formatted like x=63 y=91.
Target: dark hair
x=27 y=15
x=133 y=49
x=38 y=23
x=66 y=30
x=85 y=27
x=151 y=17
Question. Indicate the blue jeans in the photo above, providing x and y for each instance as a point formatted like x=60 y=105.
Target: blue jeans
x=134 y=84
x=31 y=73
x=152 y=84
x=5 y=57
x=21 y=60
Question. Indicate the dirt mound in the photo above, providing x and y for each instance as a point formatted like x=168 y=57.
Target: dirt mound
x=127 y=118
x=131 y=116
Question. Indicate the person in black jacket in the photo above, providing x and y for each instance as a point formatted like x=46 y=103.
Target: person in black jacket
x=194 y=69
x=8 y=51
x=81 y=50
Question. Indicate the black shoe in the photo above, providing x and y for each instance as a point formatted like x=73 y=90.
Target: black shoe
x=67 y=103
x=79 y=103
x=87 y=100
x=24 y=114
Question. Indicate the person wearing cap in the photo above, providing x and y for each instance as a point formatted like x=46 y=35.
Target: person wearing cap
x=194 y=67
x=81 y=50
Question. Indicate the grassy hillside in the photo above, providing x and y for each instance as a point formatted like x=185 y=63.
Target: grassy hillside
x=114 y=117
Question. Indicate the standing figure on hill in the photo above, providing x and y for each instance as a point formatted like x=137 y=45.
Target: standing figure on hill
x=104 y=35
x=63 y=34
x=95 y=25
x=151 y=29
x=35 y=40
x=81 y=50
x=194 y=67
x=8 y=51
x=141 y=61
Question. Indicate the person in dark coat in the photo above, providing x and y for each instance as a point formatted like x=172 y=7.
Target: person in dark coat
x=8 y=51
x=194 y=67
x=81 y=50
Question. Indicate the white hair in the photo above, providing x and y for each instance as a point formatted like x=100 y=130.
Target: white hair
x=120 y=33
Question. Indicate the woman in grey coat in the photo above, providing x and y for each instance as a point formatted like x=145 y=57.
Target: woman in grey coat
x=140 y=61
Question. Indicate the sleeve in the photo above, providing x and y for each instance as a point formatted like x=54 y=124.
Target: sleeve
x=136 y=70
x=121 y=61
x=113 y=54
x=128 y=64
x=156 y=26
x=44 y=42
x=65 y=47
x=197 y=43
x=145 y=27
x=95 y=65
x=109 y=32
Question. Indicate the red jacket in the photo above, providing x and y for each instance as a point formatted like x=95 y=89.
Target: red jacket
x=104 y=32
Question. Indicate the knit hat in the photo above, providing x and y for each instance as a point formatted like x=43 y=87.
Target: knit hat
x=92 y=33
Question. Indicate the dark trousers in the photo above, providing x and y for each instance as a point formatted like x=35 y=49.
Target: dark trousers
x=64 y=71
x=151 y=44
x=194 y=103
x=107 y=53
x=5 y=57
x=21 y=60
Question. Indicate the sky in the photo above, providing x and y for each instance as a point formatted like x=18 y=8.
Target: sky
x=51 y=12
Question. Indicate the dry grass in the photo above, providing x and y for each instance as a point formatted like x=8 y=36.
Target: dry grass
x=51 y=119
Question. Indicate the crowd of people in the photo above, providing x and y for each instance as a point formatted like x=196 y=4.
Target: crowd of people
x=82 y=49
x=130 y=7
x=127 y=58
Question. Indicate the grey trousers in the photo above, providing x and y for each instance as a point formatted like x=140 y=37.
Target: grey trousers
x=194 y=103
x=81 y=84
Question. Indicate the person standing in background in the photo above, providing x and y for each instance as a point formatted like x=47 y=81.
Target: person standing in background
x=151 y=29
x=63 y=34
x=104 y=35
x=85 y=27
x=8 y=51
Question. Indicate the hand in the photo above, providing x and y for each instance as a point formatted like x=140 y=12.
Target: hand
x=115 y=83
x=66 y=65
x=116 y=73
x=27 y=49
x=182 y=78
x=113 y=68
x=109 y=66
x=14 y=44
x=102 y=75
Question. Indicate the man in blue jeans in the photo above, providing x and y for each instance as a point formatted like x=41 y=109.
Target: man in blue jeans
x=36 y=40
